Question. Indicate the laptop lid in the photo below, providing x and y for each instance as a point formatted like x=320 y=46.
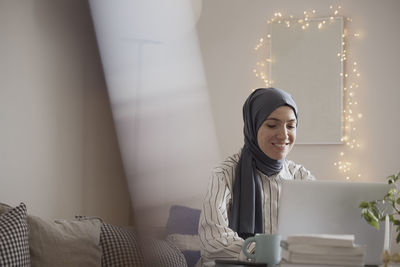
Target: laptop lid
x=331 y=207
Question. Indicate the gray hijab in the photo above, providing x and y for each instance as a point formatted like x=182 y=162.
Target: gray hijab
x=247 y=213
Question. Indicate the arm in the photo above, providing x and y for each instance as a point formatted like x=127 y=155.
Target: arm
x=217 y=239
x=299 y=172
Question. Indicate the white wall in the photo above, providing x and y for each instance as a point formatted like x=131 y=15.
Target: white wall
x=59 y=152
x=230 y=29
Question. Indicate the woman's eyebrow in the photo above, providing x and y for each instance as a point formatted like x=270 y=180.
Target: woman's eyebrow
x=275 y=119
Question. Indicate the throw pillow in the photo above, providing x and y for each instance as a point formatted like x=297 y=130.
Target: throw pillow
x=120 y=247
x=160 y=253
x=182 y=230
x=64 y=243
x=14 y=246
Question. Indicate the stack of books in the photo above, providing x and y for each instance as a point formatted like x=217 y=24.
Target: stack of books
x=324 y=250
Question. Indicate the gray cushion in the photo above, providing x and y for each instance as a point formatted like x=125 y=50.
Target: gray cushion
x=64 y=243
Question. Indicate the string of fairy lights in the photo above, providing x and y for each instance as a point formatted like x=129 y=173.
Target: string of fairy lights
x=350 y=77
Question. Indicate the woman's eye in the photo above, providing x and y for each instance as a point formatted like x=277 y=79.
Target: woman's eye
x=291 y=127
x=271 y=125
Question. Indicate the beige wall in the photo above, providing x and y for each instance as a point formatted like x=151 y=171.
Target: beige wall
x=166 y=66
x=58 y=148
x=230 y=29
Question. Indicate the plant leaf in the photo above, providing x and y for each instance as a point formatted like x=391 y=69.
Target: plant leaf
x=375 y=211
x=370 y=218
x=363 y=205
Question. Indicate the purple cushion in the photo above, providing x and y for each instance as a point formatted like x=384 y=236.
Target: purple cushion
x=183 y=220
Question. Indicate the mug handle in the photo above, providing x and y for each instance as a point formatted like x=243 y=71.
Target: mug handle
x=245 y=245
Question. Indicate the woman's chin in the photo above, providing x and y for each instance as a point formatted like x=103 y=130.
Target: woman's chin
x=277 y=156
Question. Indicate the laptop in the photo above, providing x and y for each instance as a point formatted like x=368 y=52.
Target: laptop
x=331 y=207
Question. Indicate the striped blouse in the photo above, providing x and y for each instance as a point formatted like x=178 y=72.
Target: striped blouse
x=218 y=241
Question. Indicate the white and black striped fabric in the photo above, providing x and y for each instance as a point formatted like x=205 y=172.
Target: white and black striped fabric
x=218 y=241
x=14 y=237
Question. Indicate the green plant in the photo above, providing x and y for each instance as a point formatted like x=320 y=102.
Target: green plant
x=375 y=211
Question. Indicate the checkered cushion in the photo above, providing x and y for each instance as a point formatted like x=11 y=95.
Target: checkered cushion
x=120 y=247
x=14 y=246
x=161 y=253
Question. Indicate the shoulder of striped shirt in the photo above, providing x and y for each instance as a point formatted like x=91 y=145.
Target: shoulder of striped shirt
x=229 y=162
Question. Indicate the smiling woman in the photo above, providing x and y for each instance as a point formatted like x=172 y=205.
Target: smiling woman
x=277 y=134
x=243 y=193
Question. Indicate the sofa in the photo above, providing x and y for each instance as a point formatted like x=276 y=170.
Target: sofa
x=28 y=240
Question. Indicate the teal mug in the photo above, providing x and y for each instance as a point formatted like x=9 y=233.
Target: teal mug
x=267 y=249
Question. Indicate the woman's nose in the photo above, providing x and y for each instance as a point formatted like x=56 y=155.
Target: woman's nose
x=283 y=133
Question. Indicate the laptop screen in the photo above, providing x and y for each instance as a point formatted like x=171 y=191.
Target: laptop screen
x=331 y=207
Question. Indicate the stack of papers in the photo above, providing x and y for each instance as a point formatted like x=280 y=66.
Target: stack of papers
x=326 y=250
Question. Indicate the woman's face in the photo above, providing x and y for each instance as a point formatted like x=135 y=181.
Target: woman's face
x=277 y=133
